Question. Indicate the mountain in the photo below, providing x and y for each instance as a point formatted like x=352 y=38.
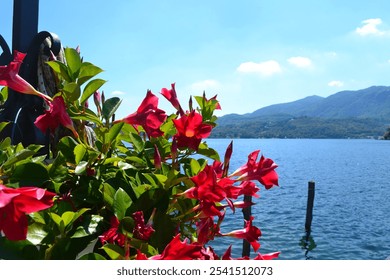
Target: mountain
x=346 y=114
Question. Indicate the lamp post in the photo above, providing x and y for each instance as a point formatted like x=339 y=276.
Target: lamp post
x=25 y=23
x=21 y=110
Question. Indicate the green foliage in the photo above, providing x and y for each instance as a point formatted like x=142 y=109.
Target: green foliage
x=120 y=172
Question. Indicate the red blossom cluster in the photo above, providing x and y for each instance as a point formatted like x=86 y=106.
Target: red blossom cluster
x=211 y=186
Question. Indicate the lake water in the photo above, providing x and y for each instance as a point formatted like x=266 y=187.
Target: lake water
x=351 y=214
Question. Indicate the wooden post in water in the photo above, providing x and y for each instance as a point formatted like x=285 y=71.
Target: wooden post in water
x=309 y=209
x=246 y=246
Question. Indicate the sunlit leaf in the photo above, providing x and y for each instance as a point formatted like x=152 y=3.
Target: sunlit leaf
x=90 y=88
x=74 y=61
x=87 y=71
x=121 y=203
x=81 y=167
x=79 y=152
x=36 y=233
x=113 y=251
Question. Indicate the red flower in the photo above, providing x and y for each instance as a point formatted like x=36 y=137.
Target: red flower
x=207 y=230
x=171 y=96
x=269 y=256
x=15 y=203
x=55 y=117
x=180 y=250
x=148 y=116
x=9 y=77
x=141 y=230
x=191 y=130
x=263 y=171
x=112 y=235
x=250 y=233
x=208 y=186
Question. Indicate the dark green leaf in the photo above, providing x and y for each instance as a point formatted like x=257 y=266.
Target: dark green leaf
x=30 y=174
x=110 y=106
x=58 y=170
x=66 y=146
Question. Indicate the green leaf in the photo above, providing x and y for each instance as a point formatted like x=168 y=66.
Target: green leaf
x=92 y=256
x=208 y=152
x=137 y=142
x=113 y=251
x=79 y=213
x=58 y=170
x=22 y=154
x=110 y=106
x=79 y=152
x=60 y=69
x=79 y=233
x=36 y=233
x=30 y=174
x=72 y=91
x=67 y=217
x=81 y=167
x=86 y=115
x=195 y=167
x=114 y=131
x=56 y=219
x=108 y=194
x=122 y=202
x=87 y=71
x=90 y=88
x=66 y=146
x=37 y=217
x=3 y=125
x=74 y=62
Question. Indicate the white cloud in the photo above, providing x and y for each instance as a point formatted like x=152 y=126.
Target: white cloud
x=266 y=68
x=204 y=85
x=300 y=61
x=118 y=92
x=370 y=27
x=335 y=84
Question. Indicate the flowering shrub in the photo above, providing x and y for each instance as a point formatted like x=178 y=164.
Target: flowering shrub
x=143 y=187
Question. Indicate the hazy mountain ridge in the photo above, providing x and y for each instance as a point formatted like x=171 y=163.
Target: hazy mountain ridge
x=354 y=114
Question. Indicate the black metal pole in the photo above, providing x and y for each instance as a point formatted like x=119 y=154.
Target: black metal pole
x=309 y=209
x=25 y=23
x=246 y=246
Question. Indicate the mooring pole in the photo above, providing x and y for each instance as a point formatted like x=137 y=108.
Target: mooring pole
x=309 y=209
x=246 y=246
x=25 y=23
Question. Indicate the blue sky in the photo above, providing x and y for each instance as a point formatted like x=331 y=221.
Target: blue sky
x=251 y=53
